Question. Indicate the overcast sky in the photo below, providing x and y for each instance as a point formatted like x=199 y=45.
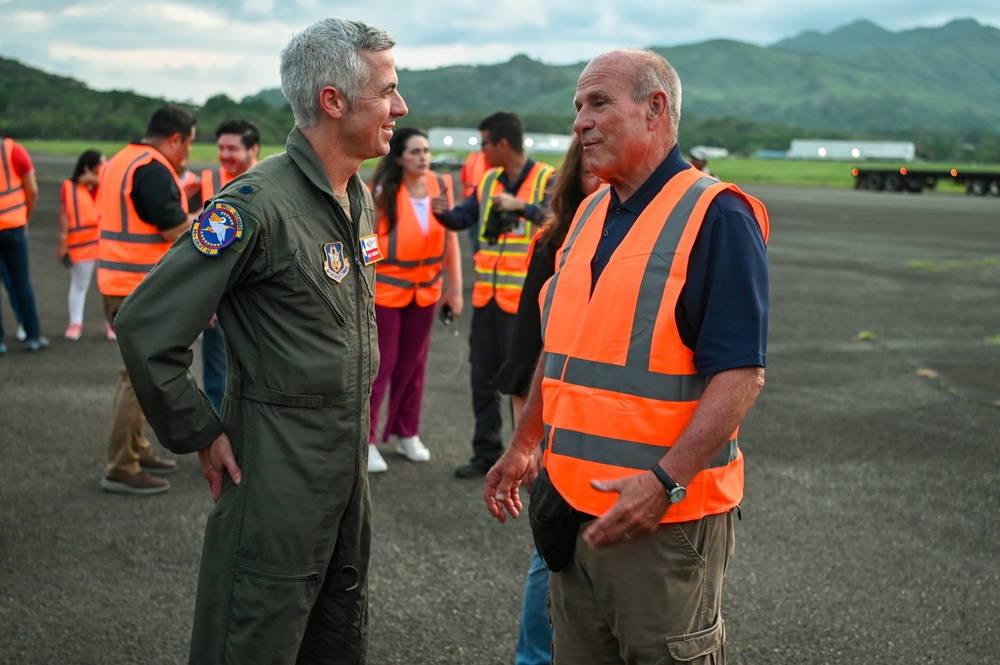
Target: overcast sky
x=189 y=50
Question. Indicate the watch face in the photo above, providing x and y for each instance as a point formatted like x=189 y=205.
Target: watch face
x=677 y=494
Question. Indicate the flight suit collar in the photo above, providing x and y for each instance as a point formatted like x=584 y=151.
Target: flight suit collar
x=307 y=160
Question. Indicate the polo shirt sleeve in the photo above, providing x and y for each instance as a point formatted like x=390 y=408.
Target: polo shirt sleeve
x=463 y=216
x=20 y=160
x=156 y=197
x=723 y=307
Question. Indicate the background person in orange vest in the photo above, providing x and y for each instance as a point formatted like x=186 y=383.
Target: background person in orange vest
x=655 y=330
x=79 y=232
x=238 y=141
x=574 y=183
x=408 y=287
x=18 y=196
x=514 y=184
x=471 y=175
x=142 y=213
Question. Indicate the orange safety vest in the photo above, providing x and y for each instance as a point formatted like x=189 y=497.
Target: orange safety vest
x=619 y=385
x=13 y=199
x=472 y=171
x=212 y=180
x=501 y=268
x=84 y=221
x=411 y=267
x=129 y=247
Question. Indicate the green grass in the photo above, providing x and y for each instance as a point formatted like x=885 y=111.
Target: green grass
x=740 y=170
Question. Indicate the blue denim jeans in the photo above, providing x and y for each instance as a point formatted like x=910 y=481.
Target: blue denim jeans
x=534 y=641
x=14 y=257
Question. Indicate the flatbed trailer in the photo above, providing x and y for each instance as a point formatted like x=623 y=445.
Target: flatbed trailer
x=905 y=179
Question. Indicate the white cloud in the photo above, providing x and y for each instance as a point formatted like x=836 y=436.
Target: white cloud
x=193 y=49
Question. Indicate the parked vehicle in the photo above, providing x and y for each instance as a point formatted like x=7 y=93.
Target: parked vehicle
x=905 y=179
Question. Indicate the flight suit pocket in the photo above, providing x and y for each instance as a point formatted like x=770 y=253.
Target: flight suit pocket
x=701 y=648
x=269 y=609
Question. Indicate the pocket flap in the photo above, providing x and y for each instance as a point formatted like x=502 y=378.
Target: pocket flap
x=686 y=648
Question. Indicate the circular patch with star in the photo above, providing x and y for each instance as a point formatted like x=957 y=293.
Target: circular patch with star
x=217 y=228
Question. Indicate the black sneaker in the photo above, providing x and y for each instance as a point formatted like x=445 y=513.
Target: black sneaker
x=36 y=343
x=475 y=468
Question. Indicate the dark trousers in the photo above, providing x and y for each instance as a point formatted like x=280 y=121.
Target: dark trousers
x=14 y=257
x=489 y=344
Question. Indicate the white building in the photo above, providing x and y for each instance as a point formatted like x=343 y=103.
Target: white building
x=846 y=150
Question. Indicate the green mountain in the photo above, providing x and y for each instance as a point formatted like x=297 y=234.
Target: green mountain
x=858 y=78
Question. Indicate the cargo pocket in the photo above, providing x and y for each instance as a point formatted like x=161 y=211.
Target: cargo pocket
x=268 y=611
x=701 y=648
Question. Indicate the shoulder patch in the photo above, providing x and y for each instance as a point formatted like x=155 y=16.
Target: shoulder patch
x=218 y=227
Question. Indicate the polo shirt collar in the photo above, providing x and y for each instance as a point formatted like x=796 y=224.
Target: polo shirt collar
x=668 y=168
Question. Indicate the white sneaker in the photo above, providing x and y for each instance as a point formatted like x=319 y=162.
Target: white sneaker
x=412 y=448
x=21 y=334
x=375 y=462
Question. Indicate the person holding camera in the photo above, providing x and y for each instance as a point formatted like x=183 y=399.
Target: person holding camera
x=509 y=204
x=408 y=287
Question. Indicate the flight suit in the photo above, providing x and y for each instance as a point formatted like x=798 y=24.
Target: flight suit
x=285 y=561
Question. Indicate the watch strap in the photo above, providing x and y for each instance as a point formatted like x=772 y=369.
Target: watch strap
x=669 y=484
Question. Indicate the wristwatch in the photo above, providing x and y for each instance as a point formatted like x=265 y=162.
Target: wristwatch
x=675 y=492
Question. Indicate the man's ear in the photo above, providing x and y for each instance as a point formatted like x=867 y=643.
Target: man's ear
x=332 y=102
x=658 y=102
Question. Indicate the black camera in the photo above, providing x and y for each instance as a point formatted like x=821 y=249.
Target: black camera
x=446 y=315
x=498 y=223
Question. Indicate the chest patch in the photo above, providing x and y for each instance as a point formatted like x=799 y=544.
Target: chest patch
x=335 y=264
x=370 y=250
x=217 y=228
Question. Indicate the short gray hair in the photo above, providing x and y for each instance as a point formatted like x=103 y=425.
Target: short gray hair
x=654 y=73
x=328 y=52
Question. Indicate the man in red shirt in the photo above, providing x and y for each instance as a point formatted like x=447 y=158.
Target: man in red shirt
x=18 y=196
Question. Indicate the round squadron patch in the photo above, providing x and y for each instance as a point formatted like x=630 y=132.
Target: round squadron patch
x=217 y=228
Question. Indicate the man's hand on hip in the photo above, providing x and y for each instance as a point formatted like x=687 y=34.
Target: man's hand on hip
x=217 y=458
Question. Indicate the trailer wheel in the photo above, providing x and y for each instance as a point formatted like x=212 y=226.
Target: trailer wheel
x=873 y=182
x=995 y=187
x=914 y=185
x=894 y=182
x=978 y=187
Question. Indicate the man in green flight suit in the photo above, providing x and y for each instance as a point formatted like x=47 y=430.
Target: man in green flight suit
x=285 y=254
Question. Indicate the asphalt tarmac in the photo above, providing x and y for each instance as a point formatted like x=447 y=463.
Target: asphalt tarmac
x=870 y=524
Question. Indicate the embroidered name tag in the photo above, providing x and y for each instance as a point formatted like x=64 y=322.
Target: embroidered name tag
x=370 y=250
x=335 y=264
x=217 y=228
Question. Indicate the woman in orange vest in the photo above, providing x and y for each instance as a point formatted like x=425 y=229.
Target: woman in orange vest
x=79 y=231
x=414 y=248
x=574 y=183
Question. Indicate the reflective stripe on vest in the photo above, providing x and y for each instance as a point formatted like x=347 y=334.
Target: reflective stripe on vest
x=501 y=268
x=619 y=385
x=13 y=198
x=398 y=282
x=129 y=247
x=84 y=222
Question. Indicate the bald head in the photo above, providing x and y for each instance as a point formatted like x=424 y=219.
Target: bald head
x=628 y=110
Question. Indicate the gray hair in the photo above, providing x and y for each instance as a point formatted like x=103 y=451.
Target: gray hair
x=328 y=52
x=654 y=73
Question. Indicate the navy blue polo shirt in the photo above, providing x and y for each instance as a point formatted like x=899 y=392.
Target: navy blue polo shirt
x=722 y=309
